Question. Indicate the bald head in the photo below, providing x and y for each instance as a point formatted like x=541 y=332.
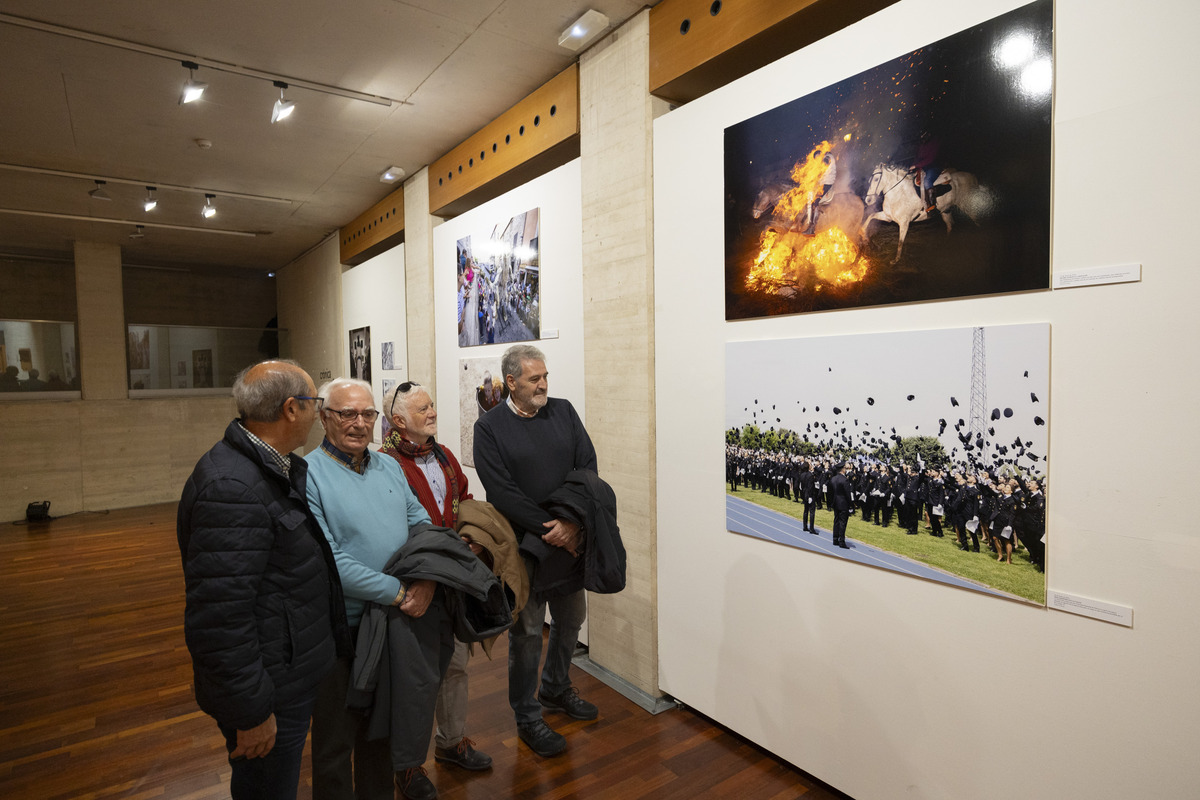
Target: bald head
x=261 y=390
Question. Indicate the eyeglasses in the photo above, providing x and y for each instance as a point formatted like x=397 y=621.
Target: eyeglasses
x=403 y=388
x=348 y=415
x=305 y=397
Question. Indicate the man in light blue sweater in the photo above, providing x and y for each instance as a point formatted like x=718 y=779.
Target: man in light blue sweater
x=364 y=506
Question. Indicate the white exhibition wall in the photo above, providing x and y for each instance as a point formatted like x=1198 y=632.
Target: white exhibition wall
x=373 y=296
x=557 y=194
x=887 y=686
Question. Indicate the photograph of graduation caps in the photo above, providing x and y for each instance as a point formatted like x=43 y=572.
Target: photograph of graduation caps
x=925 y=177
x=499 y=286
x=921 y=452
x=480 y=389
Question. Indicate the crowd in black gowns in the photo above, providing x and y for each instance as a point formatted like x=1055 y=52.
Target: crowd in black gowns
x=973 y=505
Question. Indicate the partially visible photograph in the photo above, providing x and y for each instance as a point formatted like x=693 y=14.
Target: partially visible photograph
x=387 y=355
x=480 y=389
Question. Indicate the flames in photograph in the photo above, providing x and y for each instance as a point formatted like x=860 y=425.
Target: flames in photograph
x=788 y=252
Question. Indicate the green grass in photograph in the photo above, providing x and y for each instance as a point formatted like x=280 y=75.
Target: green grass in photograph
x=1020 y=578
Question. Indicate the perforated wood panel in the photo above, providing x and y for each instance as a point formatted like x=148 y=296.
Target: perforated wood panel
x=535 y=135
x=378 y=228
x=698 y=45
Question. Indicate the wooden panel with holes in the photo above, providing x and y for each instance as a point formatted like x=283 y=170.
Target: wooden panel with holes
x=379 y=228
x=699 y=45
x=536 y=134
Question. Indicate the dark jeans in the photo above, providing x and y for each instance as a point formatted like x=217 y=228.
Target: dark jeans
x=276 y=775
x=525 y=650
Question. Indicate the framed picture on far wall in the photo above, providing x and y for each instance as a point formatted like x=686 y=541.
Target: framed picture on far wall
x=202 y=369
x=360 y=354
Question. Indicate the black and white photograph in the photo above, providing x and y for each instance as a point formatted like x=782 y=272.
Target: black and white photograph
x=360 y=354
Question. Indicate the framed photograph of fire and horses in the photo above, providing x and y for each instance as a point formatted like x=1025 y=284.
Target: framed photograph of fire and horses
x=925 y=177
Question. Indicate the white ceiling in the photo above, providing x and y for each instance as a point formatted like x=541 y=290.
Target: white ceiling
x=82 y=107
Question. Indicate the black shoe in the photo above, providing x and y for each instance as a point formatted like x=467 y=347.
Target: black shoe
x=414 y=784
x=541 y=739
x=843 y=545
x=571 y=704
x=463 y=755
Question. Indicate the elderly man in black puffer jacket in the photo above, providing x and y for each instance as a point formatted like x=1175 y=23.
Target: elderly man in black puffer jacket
x=264 y=608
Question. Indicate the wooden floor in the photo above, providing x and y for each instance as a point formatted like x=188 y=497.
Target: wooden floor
x=96 y=698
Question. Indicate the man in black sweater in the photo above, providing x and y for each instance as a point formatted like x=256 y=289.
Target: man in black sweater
x=524 y=449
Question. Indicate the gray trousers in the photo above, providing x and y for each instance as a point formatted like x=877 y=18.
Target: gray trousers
x=451 y=710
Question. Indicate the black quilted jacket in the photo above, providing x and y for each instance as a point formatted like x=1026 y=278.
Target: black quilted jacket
x=264 y=611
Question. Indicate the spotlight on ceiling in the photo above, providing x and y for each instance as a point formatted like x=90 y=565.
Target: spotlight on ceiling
x=209 y=209
x=138 y=234
x=391 y=175
x=583 y=30
x=150 y=204
x=283 y=108
x=98 y=193
x=192 y=89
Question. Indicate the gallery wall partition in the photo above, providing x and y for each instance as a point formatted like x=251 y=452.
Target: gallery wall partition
x=519 y=260
x=375 y=339
x=902 y=665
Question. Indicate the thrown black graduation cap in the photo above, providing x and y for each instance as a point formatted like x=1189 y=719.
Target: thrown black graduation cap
x=816 y=408
x=991 y=431
x=911 y=396
x=995 y=413
x=777 y=419
x=772 y=406
x=1039 y=421
x=1008 y=412
x=1033 y=397
x=870 y=401
x=953 y=401
x=756 y=402
x=836 y=410
x=831 y=369
x=1031 y=456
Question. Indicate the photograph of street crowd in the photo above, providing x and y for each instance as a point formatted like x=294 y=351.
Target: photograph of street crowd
x=921 y=452
x=498 y=283
x=927 y=176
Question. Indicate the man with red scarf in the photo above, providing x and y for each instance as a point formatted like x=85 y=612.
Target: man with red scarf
x=437 y=480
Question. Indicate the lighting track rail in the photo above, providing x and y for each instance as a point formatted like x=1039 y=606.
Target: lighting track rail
x=126 y=222
x=209 y=63
x=159 y=185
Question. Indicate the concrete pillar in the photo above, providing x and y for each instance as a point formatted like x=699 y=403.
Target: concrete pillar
x=616 y=116
x=418 y=281
x=102 y=335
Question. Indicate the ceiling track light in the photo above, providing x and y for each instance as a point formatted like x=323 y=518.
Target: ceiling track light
x=209 y=210
x=98 y=193
x=138 y=233
x=151 y=203
x=283 y=107
x=192 y=89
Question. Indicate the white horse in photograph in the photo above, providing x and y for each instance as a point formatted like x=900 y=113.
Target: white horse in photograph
x=902 y=203
x=964 y=193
